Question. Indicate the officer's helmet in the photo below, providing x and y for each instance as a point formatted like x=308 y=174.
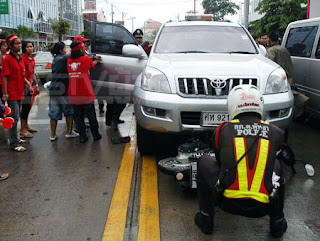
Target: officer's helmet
x=245 y=98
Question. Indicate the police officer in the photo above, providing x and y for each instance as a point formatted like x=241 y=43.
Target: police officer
x=138 y=34
x=245 y=178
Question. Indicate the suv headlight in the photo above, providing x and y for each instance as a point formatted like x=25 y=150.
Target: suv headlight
x=155 y=80
x=277 y=82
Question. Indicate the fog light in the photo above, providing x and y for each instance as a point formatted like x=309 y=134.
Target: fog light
x=283 y=112
x=149 y=110
x=179 y=176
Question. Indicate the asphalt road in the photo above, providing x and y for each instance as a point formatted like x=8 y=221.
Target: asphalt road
x=62 y=190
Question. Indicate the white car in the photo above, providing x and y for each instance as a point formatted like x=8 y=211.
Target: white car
x=191 y=69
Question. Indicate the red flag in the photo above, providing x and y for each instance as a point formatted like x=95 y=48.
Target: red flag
x=35 y=93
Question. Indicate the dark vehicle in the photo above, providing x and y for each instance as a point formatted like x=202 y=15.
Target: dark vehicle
x=123 y=59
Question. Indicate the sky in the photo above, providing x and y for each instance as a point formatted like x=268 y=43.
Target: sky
x=136 y=12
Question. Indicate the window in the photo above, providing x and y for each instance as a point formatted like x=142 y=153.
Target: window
x=318 y=50
x=300 y=41
x=204 y=39
x=110 y=39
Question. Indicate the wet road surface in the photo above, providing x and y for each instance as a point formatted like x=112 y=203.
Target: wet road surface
x=62 y=190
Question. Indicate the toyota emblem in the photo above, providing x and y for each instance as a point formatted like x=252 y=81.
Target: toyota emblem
x=218 y=83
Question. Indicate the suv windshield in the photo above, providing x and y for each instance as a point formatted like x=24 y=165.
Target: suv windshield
x=204 y=39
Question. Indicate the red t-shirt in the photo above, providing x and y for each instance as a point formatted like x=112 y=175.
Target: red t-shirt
x=1 y=58
x=80 y=88
x=30 y=65
x=14 y=69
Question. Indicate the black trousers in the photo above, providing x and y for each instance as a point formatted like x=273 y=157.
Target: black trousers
x=207 y=176
x=26 y=104
x=88 y=110
x=114 y=111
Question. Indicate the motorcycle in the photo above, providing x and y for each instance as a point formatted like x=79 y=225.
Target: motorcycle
x=184 y=166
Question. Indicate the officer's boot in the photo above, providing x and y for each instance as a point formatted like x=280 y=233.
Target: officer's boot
x=205 y=218
x=278 y=224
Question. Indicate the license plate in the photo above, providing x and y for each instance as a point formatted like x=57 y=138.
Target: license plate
x=38 y=67
x=213 y=118
x=193 y=178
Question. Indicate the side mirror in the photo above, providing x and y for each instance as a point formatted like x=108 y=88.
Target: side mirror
x=131 y=50
x=262 y=49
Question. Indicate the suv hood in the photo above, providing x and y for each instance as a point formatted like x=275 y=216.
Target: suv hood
x=213 y=65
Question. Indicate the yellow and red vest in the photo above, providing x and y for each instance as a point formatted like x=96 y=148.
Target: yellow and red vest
x=249 y=183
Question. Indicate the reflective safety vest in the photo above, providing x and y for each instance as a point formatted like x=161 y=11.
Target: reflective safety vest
x=249 y=183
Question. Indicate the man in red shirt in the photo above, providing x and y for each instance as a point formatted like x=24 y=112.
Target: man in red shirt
x=80 y=90
x=13 y=72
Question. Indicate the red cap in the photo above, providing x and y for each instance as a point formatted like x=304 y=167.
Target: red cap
x=80 y=38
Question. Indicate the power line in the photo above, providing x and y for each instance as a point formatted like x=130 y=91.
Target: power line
x=148 y=3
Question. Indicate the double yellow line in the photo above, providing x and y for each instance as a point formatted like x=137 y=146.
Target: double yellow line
x=149 y=227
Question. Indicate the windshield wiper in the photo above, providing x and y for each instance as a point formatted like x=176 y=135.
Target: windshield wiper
x=191 y=51
x=240 y=52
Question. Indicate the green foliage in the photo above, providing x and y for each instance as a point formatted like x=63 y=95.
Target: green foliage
x=219 y=8
x=60 y=27
x=152 y=36
x=277 y=15
x=87 y=33
x=23 y=32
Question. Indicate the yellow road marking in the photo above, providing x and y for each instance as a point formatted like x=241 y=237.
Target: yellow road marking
x=149 y=226
x=117 y=216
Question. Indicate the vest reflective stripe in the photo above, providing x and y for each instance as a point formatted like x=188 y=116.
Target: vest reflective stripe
x=242 y=169
x=240 y=149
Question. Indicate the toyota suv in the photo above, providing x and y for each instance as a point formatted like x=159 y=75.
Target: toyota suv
x=192 y=67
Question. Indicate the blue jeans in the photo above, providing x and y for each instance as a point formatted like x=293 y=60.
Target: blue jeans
x=15 y=105
x=88 y=110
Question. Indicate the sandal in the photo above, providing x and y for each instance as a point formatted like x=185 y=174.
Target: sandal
x=19 y=149
x=26 y=134
x=21 y=141
x=32 y=130
x=3 y=176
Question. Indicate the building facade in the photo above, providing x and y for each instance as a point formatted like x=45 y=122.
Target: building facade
x=35 y=14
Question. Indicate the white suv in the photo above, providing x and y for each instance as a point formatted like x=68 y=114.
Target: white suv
x=192 y=67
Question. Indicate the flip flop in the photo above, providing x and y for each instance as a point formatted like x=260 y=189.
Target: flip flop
x=32 y=130
x=19 y=149
x=3 y=176
x=26 y=134
x=21 y=141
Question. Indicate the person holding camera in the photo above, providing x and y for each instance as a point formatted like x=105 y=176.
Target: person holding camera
x=246 y=177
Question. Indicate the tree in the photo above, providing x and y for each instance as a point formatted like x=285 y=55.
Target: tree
x=277 y=15
x=87 y=33
x=60 y=27
x=219 y=8
x=23 y=32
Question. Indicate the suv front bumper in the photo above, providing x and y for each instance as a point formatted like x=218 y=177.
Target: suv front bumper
x=162 y=112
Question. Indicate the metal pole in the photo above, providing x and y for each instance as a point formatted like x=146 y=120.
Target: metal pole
x=246 y=13
x=194 y=8
x=61 y=9
x=112 y=13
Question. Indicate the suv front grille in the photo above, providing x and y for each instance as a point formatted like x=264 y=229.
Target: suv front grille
x=203 y=86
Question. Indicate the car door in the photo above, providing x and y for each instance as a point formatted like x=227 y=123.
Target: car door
x=113 y=79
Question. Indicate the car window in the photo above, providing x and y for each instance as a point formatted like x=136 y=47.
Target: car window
x=300 y=40
x=207 y=39
x=43 y=57
x=318 y=50
x=110 y=39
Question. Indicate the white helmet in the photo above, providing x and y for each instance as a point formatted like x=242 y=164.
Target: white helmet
x=245 y=98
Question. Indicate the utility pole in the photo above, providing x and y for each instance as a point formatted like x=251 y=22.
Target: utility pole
x=132 y=18
x=61 y=9
x=246 y=13
x=194 y=8
x=112 y=13
x=123 y=14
